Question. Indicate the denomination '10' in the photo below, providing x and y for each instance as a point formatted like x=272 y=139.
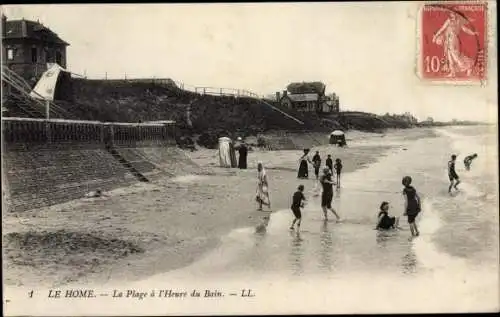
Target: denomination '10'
x=432 y=64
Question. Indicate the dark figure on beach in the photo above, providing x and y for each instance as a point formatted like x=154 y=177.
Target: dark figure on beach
x=304 y=167
x=386 y=222
x=232 y=154
x=338 y=170
x=452 y=174
x=243 y=153
x=468 y=161
x=316 y=163
x=327 y=194
x=329 y=162
x=297 y=203
x=412 y=204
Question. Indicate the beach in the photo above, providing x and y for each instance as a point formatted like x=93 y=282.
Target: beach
x=168 y=224
x=204 y=232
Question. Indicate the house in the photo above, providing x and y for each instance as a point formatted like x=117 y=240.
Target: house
x=28 y=47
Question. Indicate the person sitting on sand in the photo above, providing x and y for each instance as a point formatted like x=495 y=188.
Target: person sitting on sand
x=468 y=161
x=317 y=164
x=262 y=195
x=338 y=170
x=452 y=174
x=95 y=194
x=385 y=222
x=298 y=200
x=412 y=204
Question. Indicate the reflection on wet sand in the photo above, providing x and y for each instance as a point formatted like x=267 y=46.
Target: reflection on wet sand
x=326 y=243
x=388 y=240
x=409 y=262
x=261 y=228
x=296 y=253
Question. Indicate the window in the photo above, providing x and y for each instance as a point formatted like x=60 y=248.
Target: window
x=34 y=55
x=58 y=58
x=10 y=54
x=48 y=56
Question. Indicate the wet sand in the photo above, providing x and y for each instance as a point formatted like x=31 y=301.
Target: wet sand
x=148 y=229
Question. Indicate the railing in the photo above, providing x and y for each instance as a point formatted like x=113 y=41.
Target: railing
x=24 y=91
x=212 y=91
x=58 y=131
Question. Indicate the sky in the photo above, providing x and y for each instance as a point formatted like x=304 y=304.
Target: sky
x=364 y=52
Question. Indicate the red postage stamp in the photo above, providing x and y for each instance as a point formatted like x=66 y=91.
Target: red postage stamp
x=453 y=42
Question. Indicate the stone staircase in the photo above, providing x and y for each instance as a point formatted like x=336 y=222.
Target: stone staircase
x=127 y=164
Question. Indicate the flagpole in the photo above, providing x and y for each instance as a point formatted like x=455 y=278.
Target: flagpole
x=47 y=116
x=47 y=109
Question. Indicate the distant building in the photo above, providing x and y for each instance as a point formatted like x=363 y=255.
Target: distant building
x=28 y=46
x=309 y=97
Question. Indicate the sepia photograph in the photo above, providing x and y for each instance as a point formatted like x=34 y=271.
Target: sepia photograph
x=250 y=158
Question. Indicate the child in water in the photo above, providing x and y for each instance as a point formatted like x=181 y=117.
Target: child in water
x=412 y=204
x=468 y=161
x=385 y=222
x=297 y=203
x=338 y=170
x=452 y=174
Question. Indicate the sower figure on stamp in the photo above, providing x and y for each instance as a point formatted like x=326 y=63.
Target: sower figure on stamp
x=449 y=37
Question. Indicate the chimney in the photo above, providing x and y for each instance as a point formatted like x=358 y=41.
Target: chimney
x=24 y=28
x=4 y=25
x=277 y=96
x=285 y=93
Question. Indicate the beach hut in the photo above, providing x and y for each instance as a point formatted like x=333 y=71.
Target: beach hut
x=338 y=137
x=227 y=155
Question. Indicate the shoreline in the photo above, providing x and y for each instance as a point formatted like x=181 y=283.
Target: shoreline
x=162 y=221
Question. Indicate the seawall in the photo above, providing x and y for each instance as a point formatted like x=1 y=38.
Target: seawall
x=46 y=162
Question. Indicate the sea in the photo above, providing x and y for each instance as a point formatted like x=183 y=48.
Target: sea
x=349 y=267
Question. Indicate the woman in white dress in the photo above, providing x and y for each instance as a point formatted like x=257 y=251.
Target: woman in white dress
x=262 y=195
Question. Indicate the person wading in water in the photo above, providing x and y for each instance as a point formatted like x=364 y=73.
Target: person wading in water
x=317 y=164
x=452 y=174
x=327 y=195
x=297 y=203
x=338 y=170
x=468 y=161
x=412 y=204
x=329 y=162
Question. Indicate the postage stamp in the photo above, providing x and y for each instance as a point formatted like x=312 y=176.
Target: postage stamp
x=453 y=42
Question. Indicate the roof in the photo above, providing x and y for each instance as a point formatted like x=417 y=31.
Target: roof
x=25 y=29
x=306 y=87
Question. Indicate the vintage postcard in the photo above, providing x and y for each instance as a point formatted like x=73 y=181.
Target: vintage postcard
x=248 y=159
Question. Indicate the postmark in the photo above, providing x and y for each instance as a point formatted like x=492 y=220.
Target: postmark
x=453 y=42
